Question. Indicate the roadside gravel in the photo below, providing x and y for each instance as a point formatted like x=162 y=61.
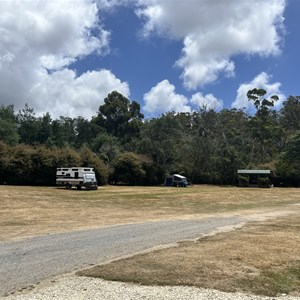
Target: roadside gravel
x=71 y=287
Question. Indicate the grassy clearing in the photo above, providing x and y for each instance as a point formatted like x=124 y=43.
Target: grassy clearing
x=27 y=211
x=261 y=258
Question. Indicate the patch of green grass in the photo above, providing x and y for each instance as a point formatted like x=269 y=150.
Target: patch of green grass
x=295 y=271
x=274 y=282
x=16 y=223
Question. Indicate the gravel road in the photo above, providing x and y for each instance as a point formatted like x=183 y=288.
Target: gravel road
x=32 y=260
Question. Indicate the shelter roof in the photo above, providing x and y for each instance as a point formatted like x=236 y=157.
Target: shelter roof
x=254 y=172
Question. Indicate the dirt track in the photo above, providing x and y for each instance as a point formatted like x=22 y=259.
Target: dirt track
x=24 y=263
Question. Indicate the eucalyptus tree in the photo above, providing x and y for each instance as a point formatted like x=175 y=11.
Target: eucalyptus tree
x=290 y=114
x=265 y=128
x=161 y=140
x=107 y=147
x=203 y=146
x=120 y=117
x=288 y=167
x=233 y=143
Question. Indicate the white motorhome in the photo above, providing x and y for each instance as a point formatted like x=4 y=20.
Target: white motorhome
x=80 y=177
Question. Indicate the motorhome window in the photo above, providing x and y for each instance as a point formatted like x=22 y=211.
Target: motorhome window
x=89 y=176
x=74 y=169
x=87 y=170
x=65 y=169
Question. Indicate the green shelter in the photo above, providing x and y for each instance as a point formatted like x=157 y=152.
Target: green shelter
x=254 y=178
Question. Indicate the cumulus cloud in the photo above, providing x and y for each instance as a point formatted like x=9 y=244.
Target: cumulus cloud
x=206 y=102
x=63 y=93
x=213 y=32
x=110 y=5
x=163 y=98
x=38 y=45
x=261 y=81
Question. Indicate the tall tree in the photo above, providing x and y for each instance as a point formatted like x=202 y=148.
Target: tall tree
x=45 y=132
x=202 y=154
x=28 y=125
x=161 y=140
x=262 y=104
x=84 y=132
x=288 y=167
x=8 y=125
x=119 y=116
x=265 y=127
x=232 y=143
x=290 y=114
x=107 y=147
x=64 y=133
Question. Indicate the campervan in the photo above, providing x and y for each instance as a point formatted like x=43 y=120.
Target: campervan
x=79 y=177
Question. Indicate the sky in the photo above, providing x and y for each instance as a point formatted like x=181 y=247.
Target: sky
x=64 y=56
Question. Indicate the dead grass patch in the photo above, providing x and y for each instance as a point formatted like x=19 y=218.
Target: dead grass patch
x=28 y=211
x=260 y=258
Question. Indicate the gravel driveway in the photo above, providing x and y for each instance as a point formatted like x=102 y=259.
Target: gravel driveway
x=26 y=262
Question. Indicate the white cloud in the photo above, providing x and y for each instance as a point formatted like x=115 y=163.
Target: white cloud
x=206 y=102
x=110 y=5
x=261 y=81
x=163 y=98
x=38 y=46
x=213 y=32
x=65 y=94
x=35 y=35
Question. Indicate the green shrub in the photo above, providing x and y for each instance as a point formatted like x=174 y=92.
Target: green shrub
x=243 y=181
x=264 y=182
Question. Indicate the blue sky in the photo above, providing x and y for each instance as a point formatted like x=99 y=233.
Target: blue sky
x=64 y=57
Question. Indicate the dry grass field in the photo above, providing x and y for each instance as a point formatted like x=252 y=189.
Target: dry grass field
x=262 y=257
x=29 y=211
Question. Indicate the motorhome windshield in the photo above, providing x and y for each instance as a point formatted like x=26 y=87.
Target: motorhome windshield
x=89 y=176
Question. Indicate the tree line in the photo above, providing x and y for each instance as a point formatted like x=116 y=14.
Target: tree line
x=125 y=148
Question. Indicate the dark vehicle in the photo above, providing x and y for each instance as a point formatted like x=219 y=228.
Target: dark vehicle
x=176 y=180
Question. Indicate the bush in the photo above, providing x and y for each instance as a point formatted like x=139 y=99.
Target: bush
x=90 y=159
x=243 y=181
x=133 y=169
x=264 y=182
x=27 y=165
